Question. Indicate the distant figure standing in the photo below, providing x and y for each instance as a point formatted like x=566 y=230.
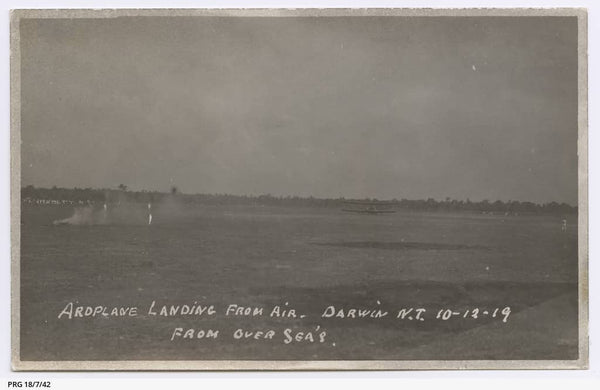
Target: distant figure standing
x=149 y=213
x=104 y=212
x=564 y=225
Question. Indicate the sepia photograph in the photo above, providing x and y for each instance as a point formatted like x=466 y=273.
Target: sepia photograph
x=309 y=189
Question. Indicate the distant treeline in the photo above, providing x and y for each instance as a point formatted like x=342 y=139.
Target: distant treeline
x=33 y=194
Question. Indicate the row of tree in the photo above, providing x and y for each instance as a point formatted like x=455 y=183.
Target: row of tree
x=31 y=193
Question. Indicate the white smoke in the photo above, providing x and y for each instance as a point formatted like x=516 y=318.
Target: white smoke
x=122 y=211
x=85 y=216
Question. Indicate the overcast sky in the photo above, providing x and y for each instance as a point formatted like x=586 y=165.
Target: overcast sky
x=383 y=107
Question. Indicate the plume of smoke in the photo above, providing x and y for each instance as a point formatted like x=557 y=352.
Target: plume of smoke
x=109 y=214
x=121 y=209
x=84 y=216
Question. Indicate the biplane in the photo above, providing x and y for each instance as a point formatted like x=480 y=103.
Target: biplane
x=369 y=206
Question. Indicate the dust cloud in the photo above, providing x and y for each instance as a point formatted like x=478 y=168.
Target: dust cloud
x=121 y=210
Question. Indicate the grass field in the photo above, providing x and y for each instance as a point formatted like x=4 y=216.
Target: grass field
x=310 y=258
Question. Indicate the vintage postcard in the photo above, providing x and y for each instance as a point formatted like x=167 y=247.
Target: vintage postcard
x=313 y=189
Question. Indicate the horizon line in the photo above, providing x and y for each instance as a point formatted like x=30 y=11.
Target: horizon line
x=465 y=200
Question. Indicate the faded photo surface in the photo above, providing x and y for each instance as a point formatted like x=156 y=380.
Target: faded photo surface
x=298 y=188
